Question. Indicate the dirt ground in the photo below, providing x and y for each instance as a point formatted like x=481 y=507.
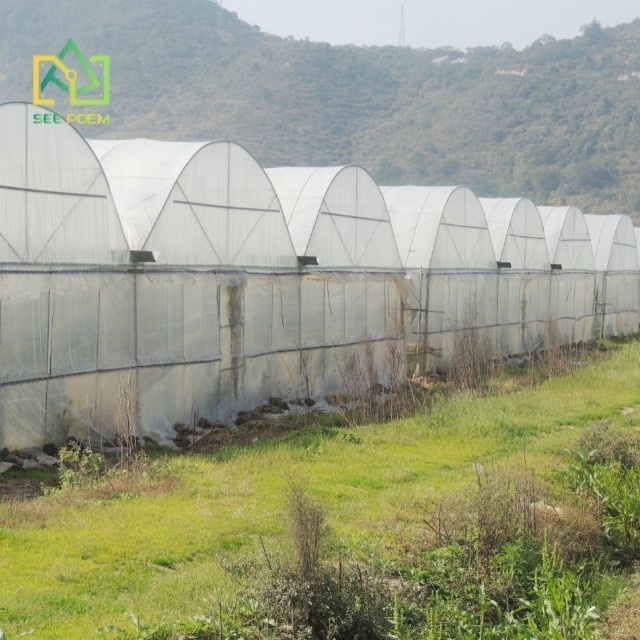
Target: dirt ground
x=15 y=487
x=245 y=435
x=16 y=484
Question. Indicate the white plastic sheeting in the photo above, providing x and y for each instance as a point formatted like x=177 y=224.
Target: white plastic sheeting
x=55 y=203
x=439 y=228
x=197 y=204
x=615 y=251
x=62 y=337
x=446 y=250
x=518 y=239
x=573 y=282
x=338 y=216
x=183 y=345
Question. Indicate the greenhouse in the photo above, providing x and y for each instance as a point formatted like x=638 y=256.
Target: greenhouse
x=351 y=299
x=163 y=282
x=65 y=299
x=158 y=280
x=197 y=204
x=615 y=251
x=446 y=251
x=212 y=241
x=518 y=239
x=573 y=279
x=338 y=216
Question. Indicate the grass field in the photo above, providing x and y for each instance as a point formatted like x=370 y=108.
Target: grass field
x=78 y=561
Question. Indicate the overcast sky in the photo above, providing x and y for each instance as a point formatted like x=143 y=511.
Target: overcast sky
x=431 y=24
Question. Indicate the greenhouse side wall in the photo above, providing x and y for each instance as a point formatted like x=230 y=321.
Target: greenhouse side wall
x=79 y=349
x=523 y=311
x=65 y=337
x=572 y=308
x=442 y=305
x=617 y=303
x=290 y=336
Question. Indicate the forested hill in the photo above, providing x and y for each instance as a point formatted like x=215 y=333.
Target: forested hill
x=558 y=122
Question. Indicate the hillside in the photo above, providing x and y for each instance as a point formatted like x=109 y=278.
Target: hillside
x=557 y=122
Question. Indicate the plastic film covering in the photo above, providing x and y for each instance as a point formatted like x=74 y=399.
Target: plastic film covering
x=568 y=239
x=338 y=215
x=23 y=414
x=573 y=285
x=439 y=228
x=445 y=247
x=517 y=232
x=523 y=311
x=180 y=346
x=59 y=324
x=442 y=305
x=55 y=204
x=613 y=240
x=197 y=204
x=616 y=256
x=518 y=238
x=179 y=394
x=60 y=336
x=573 y=298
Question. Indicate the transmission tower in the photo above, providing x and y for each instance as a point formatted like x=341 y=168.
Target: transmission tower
x=401 y=37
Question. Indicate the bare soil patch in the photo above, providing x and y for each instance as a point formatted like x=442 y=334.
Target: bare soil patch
x=13 y=487
x=247 y=434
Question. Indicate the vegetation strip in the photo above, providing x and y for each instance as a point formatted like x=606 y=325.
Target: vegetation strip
x=408 y=512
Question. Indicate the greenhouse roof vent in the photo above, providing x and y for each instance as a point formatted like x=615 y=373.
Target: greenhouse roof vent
x=139 y=256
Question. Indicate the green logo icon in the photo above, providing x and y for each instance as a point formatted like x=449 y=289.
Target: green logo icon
x=94 y=91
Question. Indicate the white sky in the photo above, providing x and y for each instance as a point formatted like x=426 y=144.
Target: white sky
x=459 y=23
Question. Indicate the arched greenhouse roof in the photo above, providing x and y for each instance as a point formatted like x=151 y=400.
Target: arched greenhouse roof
x=440 y=228
x=568 y=239
x=613 y=240
x=517 y=233
x=337 y=215
x=55 y=204
x=637 y=232
x=206 y=204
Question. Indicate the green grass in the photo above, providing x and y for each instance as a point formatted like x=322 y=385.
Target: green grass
x=75 y=562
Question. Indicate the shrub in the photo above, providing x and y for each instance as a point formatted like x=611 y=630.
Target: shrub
x=340 y=603
x=600 y=445
x=309 y=597
x=470 y=362
x=614 y=491
x=307 y=530
x=80 y=465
